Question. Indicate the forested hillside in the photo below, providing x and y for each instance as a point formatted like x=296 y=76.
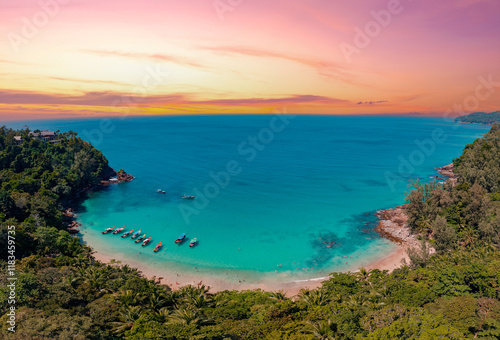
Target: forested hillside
x=63 y=293
x=480 y=118
x=37 y=177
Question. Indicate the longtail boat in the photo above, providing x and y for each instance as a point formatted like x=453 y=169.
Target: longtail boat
x=119 y=230
x=108 y=230
x=128 y=233
x=158 y=246
x=180 y=238
x=189 y=197
x=140 y=238
x=193 y=242
x=137 y=233
x=146 y=241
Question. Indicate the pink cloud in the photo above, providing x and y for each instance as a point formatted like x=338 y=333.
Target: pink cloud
x=113 y=98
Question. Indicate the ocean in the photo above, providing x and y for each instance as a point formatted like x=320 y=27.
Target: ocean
x=291 y=196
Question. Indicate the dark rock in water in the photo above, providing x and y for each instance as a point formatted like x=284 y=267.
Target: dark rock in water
x=122 y=176
x=116 y=177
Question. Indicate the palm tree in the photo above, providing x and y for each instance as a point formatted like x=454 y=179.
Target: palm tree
x=383 y=292
x=363 y=275
x=128 y=297
x=96 y=278
x=469 y=237
x=374 y=300
x=157 y=301
x=163 y=314
x=355 y=302
x=196 y=296
x=128 y=317
x=81 y=261
x=175 y=297
x=189 y=290
x=199 y=301
x=131 y=272
x=188 y=315
x=324 y=330
x=337 y=297
x=315 y=297
x=280 y=295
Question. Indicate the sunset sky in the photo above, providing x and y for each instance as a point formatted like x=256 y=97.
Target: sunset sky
x=72 y=58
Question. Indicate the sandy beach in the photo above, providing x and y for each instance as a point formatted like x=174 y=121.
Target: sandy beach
x=176 y=279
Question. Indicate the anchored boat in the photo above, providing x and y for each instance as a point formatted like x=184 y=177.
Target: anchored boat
x=128 y=233
x=146 y=241
x=193 y=242
x=180 y=239
x=140 y=238
x=137 y=233
x=158 y=246
x=108 y=230
x=119 y=230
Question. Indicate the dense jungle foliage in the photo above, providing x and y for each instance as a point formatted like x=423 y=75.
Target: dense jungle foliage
x=63 y=293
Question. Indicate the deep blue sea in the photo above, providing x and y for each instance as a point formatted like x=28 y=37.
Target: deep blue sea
x=295 y=195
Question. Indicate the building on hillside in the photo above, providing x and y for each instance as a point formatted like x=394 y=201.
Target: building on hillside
x=18 y=139
x=45 y=135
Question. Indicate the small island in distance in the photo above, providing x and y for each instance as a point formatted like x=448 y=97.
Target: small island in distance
x=480 y=118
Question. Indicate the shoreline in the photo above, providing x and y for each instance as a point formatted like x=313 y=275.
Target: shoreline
x=176 y=279
x=111 y=176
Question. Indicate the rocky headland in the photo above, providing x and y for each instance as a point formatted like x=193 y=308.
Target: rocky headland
x=393 y=222
x=116 y=177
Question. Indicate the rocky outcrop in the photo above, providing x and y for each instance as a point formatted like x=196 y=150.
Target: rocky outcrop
x=117 y=177
x=447 y=172
x=71 y=224
x=122 y=176
x=393 y=226
x=69 y=213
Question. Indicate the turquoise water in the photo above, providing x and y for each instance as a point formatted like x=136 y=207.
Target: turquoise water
x=300 y=201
